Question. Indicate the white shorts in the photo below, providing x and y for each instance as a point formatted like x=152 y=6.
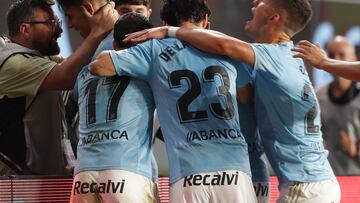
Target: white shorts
x=262 y=191
x=217 y=187
x=318 y=192
x=113 y=186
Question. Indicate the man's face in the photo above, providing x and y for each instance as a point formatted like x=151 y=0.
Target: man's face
x=77 y=20
x=127 y=8
x=340 y=50
x=261 y=11
x=44 y=31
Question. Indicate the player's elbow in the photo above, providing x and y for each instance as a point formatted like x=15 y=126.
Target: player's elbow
x=98 y=69
x=95 y=69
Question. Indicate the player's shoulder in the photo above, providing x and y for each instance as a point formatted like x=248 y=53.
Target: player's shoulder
x=273 y=48
x=154 y=43
x=157 y=46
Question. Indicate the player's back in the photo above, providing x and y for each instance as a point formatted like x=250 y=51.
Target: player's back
x=288 y=115
x=115 y=122
x=195 y=95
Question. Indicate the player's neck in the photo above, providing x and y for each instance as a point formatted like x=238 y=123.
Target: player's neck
x=190 y=25
x=272 y=36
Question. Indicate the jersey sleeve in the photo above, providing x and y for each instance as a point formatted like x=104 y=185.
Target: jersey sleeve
x=135 y=61
x=264 y=62
x=23 y=74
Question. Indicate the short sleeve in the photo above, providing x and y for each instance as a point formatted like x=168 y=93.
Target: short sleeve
x=275 y=61
x=23 y=74
x=258 y=50
x=135 y=61
x=266 y=55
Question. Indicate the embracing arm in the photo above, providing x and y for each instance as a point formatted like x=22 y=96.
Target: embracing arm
x=205 y=40
x=315 y=56
x=218 y=43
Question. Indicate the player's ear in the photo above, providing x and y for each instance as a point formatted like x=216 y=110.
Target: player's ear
x=89 y=7
x=277 y=18
x=205 y=22
x=149 y=12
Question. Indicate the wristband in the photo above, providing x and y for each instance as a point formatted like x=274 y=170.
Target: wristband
x=172 y=31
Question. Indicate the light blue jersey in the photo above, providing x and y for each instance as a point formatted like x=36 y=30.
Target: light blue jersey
x=250 y=131
x=288 y=115
x=195 y=98
x=116 y=117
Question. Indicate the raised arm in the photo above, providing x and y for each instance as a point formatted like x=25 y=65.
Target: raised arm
x=63 y=75
x=316 y=57
x=205 y=40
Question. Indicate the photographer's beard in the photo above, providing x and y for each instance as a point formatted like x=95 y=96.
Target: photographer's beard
x=48 y=46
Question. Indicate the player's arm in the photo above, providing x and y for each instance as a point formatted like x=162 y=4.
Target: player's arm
x=205 y=40
x=316 y=57
x=218 y=43
x=102 y=65
x=63 y=75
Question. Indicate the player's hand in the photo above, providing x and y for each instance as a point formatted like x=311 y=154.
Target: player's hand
x=102 y=21
x=102 y=65
x=312 y=54
x=153 y=33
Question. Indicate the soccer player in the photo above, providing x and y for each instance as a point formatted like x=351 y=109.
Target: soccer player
x=195 y=97
x=287 y=110
x=114 y=150
x=134 y=6
x=316 y=57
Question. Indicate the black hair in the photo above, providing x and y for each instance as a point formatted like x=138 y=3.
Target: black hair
x=23 y=10
x=129 y=23
x=132 y=2
x=175 y=12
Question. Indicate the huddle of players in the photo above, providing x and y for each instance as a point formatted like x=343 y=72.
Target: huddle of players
x=195 y=94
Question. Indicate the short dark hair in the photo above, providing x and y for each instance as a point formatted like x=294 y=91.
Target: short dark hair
x=129 y=23
x=132 y=2
x=70 y=2
x=175 y=12
x=23 y=10
x=298 y=12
